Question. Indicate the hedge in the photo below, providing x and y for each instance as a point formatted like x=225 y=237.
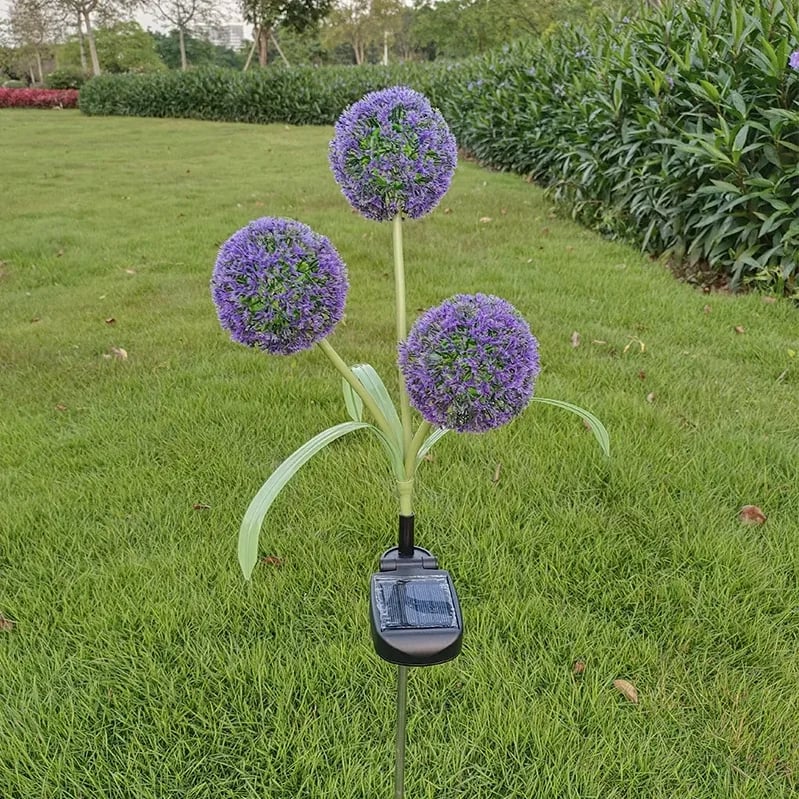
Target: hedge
x=678 y=130
x=298 y=96
x=38 y=98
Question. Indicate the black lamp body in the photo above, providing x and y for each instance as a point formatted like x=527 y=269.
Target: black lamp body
x=415 y=616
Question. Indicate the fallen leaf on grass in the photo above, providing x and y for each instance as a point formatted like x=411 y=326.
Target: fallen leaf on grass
x=575 y=339
x=110 y=320
x=200 y=506
x=497 y=470
x=429 y=458
x=739 y=329
x=447 y=210
x=272 y=560
x=485 y=219
x=627 y=690
x=769 y=300
x=634 y=340
x=751 y=514
x=60 y=407
x=706 y=309
x=599 y=342
x=6 y=625
x=578 y=667
x=650 y=397
x=130 y=271
x=642 y=375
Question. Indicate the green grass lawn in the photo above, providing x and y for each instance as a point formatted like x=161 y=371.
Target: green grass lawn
x=140 y=664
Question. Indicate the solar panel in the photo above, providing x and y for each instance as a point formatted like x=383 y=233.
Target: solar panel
x=414 y=602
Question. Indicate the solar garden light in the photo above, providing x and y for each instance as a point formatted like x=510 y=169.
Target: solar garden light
x=468 y=365
x=415 y=620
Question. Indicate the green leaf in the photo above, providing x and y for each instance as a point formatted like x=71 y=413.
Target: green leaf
x=374 y=386
x=740 y=138
x=262 y=501
x=435 y=436
x=371 y=381
x=352 y=401
x=597 y=428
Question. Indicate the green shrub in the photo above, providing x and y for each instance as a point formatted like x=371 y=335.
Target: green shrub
x=678 y=129
x=65 y=79
x=15 y=84
x=299 y=96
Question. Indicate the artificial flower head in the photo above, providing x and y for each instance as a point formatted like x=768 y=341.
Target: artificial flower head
x=393 y=153
x=470 y=364
x=278 y=286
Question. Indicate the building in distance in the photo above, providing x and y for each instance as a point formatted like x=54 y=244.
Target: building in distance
x=230 y=36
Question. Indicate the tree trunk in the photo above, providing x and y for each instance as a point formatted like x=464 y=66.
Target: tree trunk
x=39 y=66
x=184 y=64
x=92 y=47
x=83 y=65
x=263 y=45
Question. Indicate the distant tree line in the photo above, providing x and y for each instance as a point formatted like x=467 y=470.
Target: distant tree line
x=87 y=37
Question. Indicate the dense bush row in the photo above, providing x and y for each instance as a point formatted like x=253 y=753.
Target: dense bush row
x=678 y=129
x=38 y=98
x=300 y=96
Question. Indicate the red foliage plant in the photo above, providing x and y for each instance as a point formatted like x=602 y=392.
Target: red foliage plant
x=38 y=98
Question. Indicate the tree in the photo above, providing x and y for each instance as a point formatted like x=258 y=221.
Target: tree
x=365 y=25
x=121 y=47
x=266 y=15
x=199 y=52
x=34 y=26
x=181 y=14
x=106 y=10
x=458 y=28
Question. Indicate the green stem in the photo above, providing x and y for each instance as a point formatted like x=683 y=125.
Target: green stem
x=399 y=291
x=411 y=452
x=357 y=386
x=405 y=489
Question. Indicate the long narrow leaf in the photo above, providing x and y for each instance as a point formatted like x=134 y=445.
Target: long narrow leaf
x=262 y=501
x=597 y=428
x=352 y=401
x=371 y=381
x=436 y=435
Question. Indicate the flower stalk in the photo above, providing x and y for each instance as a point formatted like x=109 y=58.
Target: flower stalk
x=402 y=326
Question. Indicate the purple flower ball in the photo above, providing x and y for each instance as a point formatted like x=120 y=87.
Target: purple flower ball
x=278 y=286
x=793 y=61
x=392 y=153
x=470 y=364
